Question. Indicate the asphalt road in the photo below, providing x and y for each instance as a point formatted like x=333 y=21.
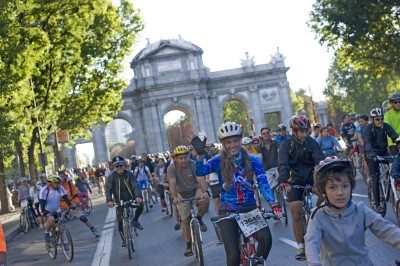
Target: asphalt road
x=160 y=244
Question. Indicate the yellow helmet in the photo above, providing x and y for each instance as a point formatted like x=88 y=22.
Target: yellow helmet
x=54 y=179
x=180 y=150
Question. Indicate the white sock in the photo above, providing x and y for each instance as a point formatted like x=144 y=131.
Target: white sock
x=301 y=245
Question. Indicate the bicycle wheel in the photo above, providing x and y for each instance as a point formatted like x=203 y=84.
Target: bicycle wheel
x=128 y=236
x=306 y=214
x=154 y=196
x=281 y=201
x=168 y=202
x=52 y=247
x=197 y=246
x=145 y=199
x=398 y=211
x=371 y=196
x=383 y=199
x=32 y=219
x=66 y=243
x=23 y=222
x=87 y=207
x=69 y=216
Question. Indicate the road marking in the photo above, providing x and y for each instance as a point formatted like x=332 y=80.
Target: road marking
x=104 y=247
x=289 y=242
x=158 y=219
x=359 y=195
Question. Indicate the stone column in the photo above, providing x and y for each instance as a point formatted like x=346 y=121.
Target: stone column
x=100 y=144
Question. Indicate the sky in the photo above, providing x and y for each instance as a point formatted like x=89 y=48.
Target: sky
x=225 y=30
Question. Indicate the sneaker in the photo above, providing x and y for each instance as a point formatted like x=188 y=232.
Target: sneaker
x=203 y=227
x=380 y=210
x=188 y=252
x=300 y=254
x=47 y=237
x=151 y=205
x=163 y=209
x=137 y=225
x=95 y=232
x=177 y=227
x=123 y=245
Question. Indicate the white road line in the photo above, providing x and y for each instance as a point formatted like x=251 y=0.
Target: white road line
x=289 y=242
x=359 y=195
x=157 y=219
x=104 y=247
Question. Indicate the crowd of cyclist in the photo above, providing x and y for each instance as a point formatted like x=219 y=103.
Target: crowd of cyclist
x=231 y=171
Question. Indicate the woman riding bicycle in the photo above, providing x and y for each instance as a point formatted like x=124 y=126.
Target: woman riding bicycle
x=236 y=169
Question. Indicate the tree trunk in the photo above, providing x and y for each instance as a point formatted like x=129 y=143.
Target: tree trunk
x=31 y=155
x=18 y=146
x=3 y=190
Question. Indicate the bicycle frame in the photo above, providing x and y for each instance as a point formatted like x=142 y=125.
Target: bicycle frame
x=127 y=219
x=307 y=203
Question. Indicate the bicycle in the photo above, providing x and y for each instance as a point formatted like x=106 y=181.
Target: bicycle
x=307 y=203
x=247 y=241
x=279 y=194
x=195 y=232
x=384 y=183
x=127 y=221
x=27 y=218
x=85 y=203
x=168 y=201
x=60 y=236
x=153 y=192
x=145 y=196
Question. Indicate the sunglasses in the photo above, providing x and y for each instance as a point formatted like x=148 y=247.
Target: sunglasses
x=395 y=102
x=378 y=119
x=119 y=166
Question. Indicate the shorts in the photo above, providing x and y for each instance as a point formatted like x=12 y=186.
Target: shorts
x=185 y=208
x=143 y=184
x=214 y=191
x=295 y=194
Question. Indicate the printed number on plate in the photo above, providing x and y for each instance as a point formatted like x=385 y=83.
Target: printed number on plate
x=251 y=222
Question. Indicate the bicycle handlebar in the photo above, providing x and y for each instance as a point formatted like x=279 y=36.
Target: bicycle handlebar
x=266 y=214
x=388 y=158
x=306 y=187
x=129 y=203
x=190 y=199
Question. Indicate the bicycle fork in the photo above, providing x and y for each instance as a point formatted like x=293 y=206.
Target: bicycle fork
x=194 y=222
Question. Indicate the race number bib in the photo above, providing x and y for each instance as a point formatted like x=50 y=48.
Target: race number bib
x=251 y=222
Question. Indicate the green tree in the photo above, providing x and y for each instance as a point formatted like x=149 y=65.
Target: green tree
x=235 y=111
x=74 y=52
x=297 y=101
x=364 y=34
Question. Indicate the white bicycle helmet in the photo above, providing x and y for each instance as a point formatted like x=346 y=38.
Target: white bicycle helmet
x=376 y=112
x=229 y=129
x=246 y=141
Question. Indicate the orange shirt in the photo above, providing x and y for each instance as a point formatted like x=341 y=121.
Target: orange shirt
x=71 y=190
x=2 y=240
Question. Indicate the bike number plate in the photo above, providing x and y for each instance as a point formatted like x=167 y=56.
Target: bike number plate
x=251 y=222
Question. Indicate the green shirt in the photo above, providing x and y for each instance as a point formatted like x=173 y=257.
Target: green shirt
x=392 y=117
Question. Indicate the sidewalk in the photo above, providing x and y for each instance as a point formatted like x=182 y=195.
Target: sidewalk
x=10 y=221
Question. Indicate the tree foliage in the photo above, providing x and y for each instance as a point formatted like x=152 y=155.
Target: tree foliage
x=235 y=111
x=65 y=59
x=364 y=34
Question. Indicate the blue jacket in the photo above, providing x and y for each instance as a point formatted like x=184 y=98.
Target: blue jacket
x=240 y=194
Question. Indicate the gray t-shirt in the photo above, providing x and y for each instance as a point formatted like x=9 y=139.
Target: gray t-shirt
x=185 y=177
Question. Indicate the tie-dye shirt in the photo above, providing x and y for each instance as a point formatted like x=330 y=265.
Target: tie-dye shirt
x=240 y=194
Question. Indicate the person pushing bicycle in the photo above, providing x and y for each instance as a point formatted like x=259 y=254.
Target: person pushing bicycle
x=237 y=171
x=297 y=158
x=121 y=185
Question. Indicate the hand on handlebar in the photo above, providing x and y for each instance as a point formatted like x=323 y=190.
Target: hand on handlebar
x=110 y=204
x=277 y=211
x=138 y=200
x=285 y=186
x=205 y=196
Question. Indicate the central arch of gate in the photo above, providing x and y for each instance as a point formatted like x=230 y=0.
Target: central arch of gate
x=170 y=75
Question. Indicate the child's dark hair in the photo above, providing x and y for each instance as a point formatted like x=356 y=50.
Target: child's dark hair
x=331 y=169
x=334 y=174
